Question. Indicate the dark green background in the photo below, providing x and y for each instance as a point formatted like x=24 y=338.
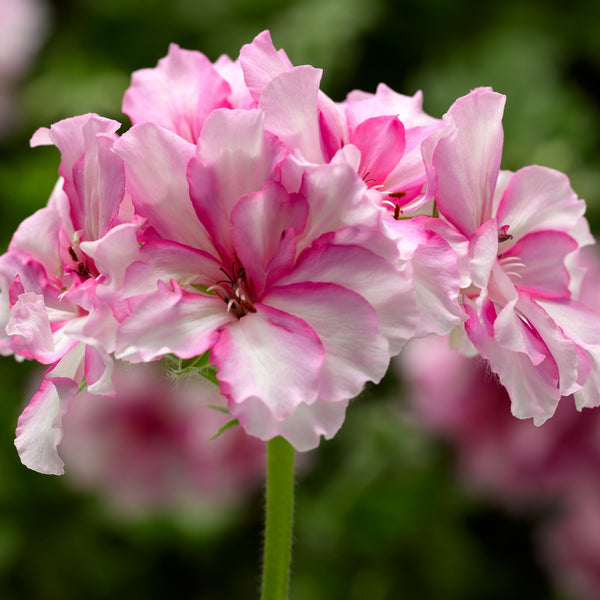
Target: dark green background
x=379 y=514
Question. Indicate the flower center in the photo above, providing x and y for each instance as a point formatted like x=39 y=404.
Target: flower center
x=235 y=291
x=82 y=265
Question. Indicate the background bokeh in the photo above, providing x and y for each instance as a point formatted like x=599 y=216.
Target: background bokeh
x=380 y=514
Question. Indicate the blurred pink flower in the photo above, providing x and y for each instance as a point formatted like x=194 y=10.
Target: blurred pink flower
x=514 y=460
x=23 y=28
x=147 y=449
x=570 y=543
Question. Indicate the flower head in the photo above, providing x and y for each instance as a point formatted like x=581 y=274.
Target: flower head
x=518 y=235
x=283 y=287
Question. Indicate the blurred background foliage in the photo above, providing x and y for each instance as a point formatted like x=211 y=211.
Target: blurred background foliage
x=379 y=513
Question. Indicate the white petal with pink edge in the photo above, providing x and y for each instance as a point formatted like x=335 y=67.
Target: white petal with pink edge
x=269 y=357
x=171 y=321
x=346 y=324
x=303 y=429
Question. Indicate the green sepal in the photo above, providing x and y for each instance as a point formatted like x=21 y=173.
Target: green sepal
x=82 y=386
x=198 y=365
x=225 y=427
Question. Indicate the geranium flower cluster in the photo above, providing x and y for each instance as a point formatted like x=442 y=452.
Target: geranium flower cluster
x=296 y=243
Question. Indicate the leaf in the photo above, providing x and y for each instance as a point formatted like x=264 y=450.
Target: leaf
x=225 y=427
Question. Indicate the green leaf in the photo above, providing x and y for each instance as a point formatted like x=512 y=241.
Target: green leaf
x=225 y=427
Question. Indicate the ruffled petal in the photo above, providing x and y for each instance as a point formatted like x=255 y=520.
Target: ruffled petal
x=536 y=264
x=171 y=321
x=533 y=389
x=346 y=324
x=538 y=199
x=466 y=159
x=387 y=289
x=302 y=429
x=156 y=163
x=178 y=94
x=271 y=359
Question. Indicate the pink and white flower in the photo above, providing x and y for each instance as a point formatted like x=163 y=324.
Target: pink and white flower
x=286 y=290
x=517 y=236
x=378 y=135
x=64 y=266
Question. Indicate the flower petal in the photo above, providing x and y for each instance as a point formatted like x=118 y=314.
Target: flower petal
x=381 y=144
x=467 y=159
x=171 y=321
x=269 y=358
x=302 y=429
x=235 y=158
x=537 y=199
x=39 y=429
x=346 y=324
x=156 y=163
x=537 y=261
x=261 y=63
x=290 y=103
x=387 y=289
x=264 y=227
x=178 y=94
x=533 y=389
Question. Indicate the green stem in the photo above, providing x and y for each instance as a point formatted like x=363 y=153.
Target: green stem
x=279 y=518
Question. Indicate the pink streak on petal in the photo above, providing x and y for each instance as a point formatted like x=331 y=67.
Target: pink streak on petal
x=386 y=288
x=156 y=163
x=543 y=254
x=85 y=182
x=346 y=324
x=269 y=357
x=533 y=389
x=262 y=226
x=235 y=158
x=467 y=159
x=171 y=321
x=537 y=199
x=573 y=367
x=164 y=260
